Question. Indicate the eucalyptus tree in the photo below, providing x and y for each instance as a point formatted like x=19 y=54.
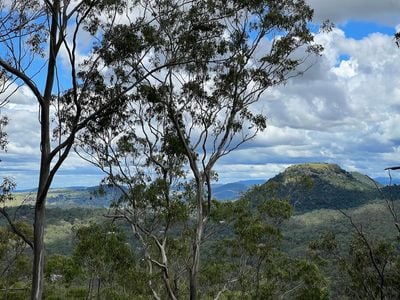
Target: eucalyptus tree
x=180 y=121
x=248 y=261
x=104 y=256
x=52 y=48
x=14 y=261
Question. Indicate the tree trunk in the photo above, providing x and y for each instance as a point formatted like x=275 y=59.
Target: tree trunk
x=98 y=287
x=258 y=280
x=89 y=293
x=40 y=206
x=171 y=294
x=38 y=230
x=45 y=162
x=194 y=270
x=38 y=253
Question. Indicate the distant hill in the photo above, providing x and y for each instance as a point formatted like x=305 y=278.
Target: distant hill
x=74 y=196
x=233 y=190
x=386 y=180
x=308 y=186
x=317 y=186
x=102 y=197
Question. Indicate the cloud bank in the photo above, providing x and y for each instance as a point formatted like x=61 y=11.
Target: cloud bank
x=344 y=110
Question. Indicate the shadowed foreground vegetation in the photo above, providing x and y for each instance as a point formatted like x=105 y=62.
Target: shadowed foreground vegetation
x=88 y=255
x=257 y=247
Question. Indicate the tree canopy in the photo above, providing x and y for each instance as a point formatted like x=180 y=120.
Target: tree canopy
x=162 y=90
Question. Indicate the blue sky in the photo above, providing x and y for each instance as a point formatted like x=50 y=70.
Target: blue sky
x=344 y=110
x=361 y=29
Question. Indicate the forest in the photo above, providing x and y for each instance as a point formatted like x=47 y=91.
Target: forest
x=163 y=92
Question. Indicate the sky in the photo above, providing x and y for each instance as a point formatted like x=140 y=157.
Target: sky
x=344 y=110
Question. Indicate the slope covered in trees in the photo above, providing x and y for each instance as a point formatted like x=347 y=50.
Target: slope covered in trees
x=241 y=233
x=160 y=92
x=317 y=185
x=159 y=83
x=308 y=186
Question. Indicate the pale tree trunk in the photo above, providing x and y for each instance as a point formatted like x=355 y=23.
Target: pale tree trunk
x=165 y=268
x=38 y=231
x=194 y=270
x=200 y=220
x=45 y=161
x=38 y=253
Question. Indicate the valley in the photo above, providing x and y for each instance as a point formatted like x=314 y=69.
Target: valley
x=316 y=192
x=326 y=200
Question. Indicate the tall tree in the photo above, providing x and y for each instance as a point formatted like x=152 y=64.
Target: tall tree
x=39 y=44
x=182 y=120
x=33 y=35
x=103 y=253
x=248 y=261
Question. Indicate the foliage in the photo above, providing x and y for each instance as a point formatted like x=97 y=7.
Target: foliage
x=61 y=268
x=373 y=269
x=15 y=273
x=103 y=254
x=167 y=89
x=248 y=261
x=287 y=268
x=96 y=250
x=217 y=59
x=317 y=186
x=370 y=266
x=3 y=133
x=6 y=187
x=34 y=34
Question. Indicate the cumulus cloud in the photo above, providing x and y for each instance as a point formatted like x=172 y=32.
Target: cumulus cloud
x=237 y=172
x=21 y=161
x=344 y=110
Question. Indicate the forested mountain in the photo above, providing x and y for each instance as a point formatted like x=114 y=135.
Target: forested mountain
x=308 y=186
x=309 y=244
x=317 y=185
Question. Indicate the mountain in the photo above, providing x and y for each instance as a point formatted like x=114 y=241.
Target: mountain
x=317 y=185
x=233 y=190
x=308 y=186
x=102 y=197
x=74 y=196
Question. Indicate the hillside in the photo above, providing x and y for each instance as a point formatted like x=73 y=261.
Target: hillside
x=102 y=197
x=308 y=186
x=73 y=196
x=317 y=186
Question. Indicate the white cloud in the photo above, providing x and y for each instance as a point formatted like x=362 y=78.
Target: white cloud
x=346 y=69
x=344 y=110
x=239 y=172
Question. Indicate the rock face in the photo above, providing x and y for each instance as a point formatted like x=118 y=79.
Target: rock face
x=317 y=185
